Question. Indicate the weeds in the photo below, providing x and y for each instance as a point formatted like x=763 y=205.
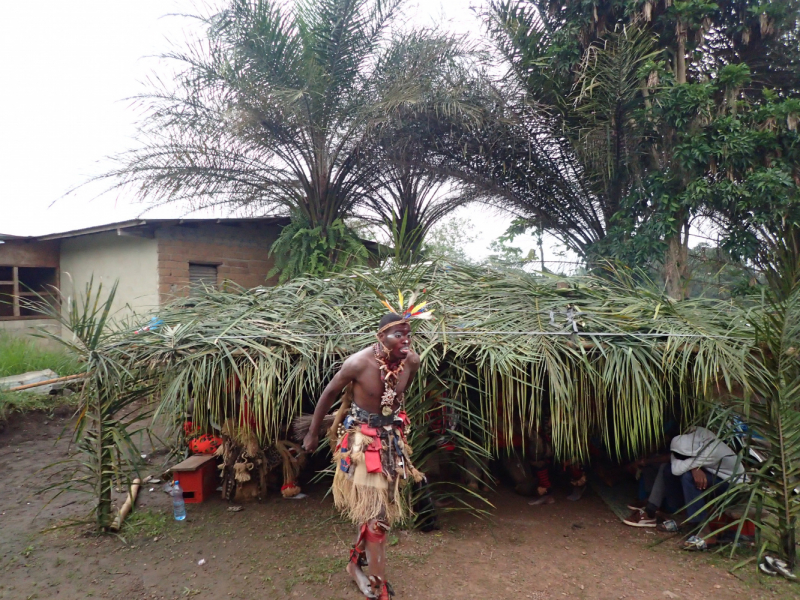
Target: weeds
x=145 y=523
x=22 y=402
x=19 y=355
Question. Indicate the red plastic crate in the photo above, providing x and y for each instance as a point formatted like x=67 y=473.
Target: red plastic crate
x=197 y=476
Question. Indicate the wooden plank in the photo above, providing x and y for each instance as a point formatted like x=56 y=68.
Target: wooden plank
x=25 y=253
x=15 y=292
x=193 y=462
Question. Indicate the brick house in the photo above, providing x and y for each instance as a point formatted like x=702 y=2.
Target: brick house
x=153 y=260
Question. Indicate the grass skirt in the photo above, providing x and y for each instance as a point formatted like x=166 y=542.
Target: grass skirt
x=362 y=495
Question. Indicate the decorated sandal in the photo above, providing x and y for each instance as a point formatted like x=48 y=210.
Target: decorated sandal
x=669 y=526
x=697 y=544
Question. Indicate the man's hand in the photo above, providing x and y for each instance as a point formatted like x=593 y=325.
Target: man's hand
x=700 y=479
x=310 y=442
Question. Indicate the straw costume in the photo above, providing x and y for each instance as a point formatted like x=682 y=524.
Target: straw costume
x=372 y=457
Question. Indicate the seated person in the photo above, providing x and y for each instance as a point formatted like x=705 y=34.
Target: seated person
x=699 y=460
x=647 y=472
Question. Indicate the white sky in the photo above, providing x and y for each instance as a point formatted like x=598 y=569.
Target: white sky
x=68 y=69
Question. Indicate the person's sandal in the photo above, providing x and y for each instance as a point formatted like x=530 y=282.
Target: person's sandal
x=577 y=493
x=639 y=518
x=697 y=544
x=546 y=499
x=669 y=526
x=780 y=567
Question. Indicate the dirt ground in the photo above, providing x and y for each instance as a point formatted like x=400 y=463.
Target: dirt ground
x=296 y=549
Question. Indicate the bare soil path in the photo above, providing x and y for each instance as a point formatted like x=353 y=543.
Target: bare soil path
x=297 y=549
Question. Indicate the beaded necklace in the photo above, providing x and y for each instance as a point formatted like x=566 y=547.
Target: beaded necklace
x=389 y=375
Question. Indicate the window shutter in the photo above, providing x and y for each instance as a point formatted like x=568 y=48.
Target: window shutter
x=201 y=275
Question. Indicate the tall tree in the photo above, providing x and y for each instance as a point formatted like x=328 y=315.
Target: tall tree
x=411 y=193
x=275 y=110
x=604 y=73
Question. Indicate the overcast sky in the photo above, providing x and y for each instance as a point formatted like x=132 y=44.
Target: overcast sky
x=68 y=69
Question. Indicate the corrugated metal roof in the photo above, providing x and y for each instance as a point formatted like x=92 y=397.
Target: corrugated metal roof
x=134 y=223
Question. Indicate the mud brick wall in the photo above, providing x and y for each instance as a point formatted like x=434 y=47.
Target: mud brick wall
x=239 y=251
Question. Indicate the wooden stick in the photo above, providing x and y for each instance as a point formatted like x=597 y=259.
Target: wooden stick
x=126 y=508
x=27 y=386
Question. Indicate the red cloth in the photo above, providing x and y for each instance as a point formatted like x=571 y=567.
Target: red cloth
x=372 y=453
x=205 y=444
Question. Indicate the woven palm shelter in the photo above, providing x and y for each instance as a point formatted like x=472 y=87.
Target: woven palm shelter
x=602 y=357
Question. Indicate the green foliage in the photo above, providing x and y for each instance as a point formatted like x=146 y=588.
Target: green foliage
x=23 y=402
x=771 y=408
x=447 y=240
x=308 y=108
x=146 y=524
x=110 y=411
x=498 y=335
x=663 y=112
x=19 y=355
x=504 y=255
x=311 y=251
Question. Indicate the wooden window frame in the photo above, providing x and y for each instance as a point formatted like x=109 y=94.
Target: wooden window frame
x=16 y=295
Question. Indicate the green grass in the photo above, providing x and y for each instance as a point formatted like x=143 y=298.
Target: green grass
x=11 y=402
x=145 y=523
x=20 y=355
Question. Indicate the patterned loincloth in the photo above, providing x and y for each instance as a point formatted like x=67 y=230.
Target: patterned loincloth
x=373 y=463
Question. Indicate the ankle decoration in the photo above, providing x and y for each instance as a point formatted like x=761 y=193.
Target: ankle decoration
x=358 y=557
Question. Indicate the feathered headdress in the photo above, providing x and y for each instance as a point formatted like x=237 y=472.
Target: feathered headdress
x=406 y=312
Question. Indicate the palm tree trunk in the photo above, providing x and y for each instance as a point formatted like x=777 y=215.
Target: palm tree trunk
x=680 y=57
x=104 y=464
x=676 y=263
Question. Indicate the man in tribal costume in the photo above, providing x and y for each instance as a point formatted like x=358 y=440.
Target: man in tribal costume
x=372 y=456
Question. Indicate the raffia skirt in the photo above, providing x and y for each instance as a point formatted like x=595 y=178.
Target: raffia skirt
x=372 y=467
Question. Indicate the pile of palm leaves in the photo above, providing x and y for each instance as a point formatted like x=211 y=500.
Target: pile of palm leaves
x=602 y=357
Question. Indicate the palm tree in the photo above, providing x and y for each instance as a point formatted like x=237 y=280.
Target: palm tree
x=432 y=75
x=112 y=409
x=592 y=81
x=269 y=111
x=275 y=111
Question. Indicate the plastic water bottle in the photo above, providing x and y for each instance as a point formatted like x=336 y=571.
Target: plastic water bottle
x=178 y=505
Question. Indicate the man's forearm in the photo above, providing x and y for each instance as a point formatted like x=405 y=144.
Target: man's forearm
x=323 y=406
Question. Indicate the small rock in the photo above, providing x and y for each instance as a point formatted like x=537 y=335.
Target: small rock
x=669 y=594
x=201 y=562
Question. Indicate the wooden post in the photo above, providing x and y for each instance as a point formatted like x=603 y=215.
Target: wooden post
x=15 y=292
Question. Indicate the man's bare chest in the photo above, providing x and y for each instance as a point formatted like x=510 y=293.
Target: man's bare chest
x=370 y=386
